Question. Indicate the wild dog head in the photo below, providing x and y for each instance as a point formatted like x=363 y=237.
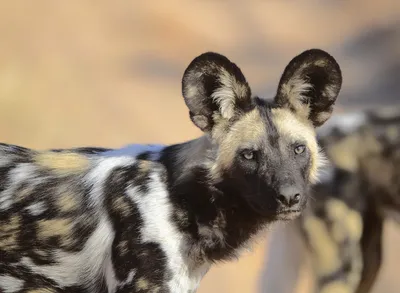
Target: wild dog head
x=266 y=150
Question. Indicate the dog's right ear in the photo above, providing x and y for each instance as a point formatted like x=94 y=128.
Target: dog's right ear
x=310 y=85
x=214 y=89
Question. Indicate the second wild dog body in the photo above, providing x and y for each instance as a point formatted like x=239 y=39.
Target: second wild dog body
x=153 y=219
x=338 y=238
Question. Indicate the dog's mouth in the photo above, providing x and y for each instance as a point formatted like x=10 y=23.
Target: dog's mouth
x=288 y=214
x=280 y=214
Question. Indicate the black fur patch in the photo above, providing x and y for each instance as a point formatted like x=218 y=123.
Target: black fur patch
x=204 y=204
x=129 y=252
x=84 y=150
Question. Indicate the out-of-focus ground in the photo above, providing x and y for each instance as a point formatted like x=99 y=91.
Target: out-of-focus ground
x=108 y=73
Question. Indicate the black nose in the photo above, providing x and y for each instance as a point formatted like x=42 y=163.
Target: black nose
x=289 y=195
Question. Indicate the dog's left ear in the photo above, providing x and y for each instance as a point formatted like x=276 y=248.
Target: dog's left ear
x=214 y=89
x=310 y=85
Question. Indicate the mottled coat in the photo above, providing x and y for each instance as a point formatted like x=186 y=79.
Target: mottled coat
x=154 y=218
x=338 y=239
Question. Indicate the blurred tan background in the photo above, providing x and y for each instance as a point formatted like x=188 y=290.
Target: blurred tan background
x=108 y=73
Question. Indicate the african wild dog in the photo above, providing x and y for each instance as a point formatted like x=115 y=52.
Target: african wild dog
x=154 y=218
x=338 y=238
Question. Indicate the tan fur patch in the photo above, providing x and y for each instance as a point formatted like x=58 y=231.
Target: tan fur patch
x=42 y=290
x=294 y=91
x=343 y=154
x=42 y=253
x=347 y=222
x=337 y=209
x=24 y=193
x=392 y=133
x=220 y=128
x=322 y=117
x=244 y=133
x=290 y=126
x=56 y=227
x=354 y=276
x=67 y=201
x=326 y=254
x=121 y=206
x=339 y=232
x=142 y=284
x=320 y=63
x=229 y=91
x=144 y=166
x=123 y=247
x=9 y=233
x=63 y=163
x=336 y=287
x=354 y=225
x=347 y=152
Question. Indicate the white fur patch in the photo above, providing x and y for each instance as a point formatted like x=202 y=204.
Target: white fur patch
x=79 y=268
x=109 y=273
x=9 y=284
x=226 y=95
x=128 y=279
x=161 y=230
x=17 y=175
x=99 y=174
x=37 y=209
x=4 y=160
x=294 y=90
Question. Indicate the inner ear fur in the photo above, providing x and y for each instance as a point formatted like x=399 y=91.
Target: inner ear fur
x=214 y=88
x=309 y=85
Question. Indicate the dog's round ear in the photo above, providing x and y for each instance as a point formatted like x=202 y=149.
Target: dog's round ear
x=309 y=85
x=214 y=88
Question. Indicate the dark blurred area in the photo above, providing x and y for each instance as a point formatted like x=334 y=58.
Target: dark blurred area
x=109 y=73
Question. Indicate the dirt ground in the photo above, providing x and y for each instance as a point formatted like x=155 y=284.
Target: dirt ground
x=99 y=73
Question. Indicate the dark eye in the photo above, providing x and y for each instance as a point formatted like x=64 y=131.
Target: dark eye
x=248 y=154
x=299 y=149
